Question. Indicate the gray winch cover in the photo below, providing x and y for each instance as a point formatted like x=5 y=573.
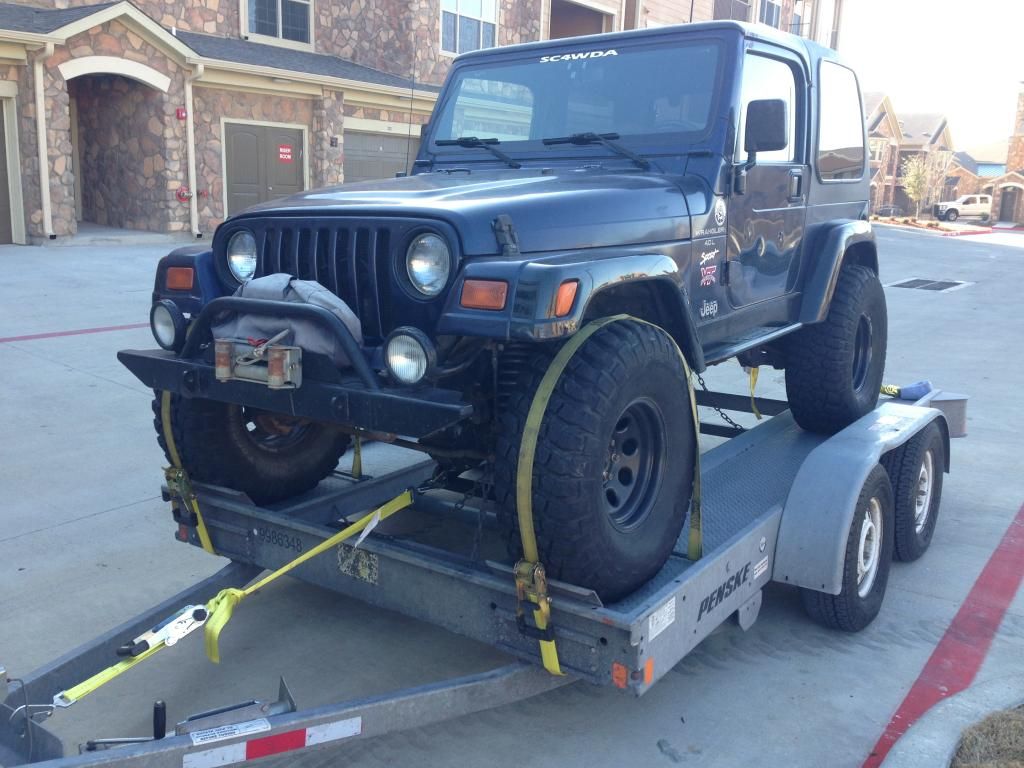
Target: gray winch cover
x=304 y=333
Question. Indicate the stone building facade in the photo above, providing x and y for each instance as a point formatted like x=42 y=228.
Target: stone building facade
x=140 y=114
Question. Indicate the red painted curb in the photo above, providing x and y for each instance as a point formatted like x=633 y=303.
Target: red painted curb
x=80 y=332
x=967 y=234
x=957 y=658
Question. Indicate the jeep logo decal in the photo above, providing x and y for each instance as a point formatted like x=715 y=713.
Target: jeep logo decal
x=725 y=589
x=574 y=56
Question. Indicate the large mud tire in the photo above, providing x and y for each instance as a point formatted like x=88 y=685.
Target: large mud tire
x=267 y=456
x=614 y=464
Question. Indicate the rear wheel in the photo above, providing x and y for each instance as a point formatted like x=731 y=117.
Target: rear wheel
x=265 y=455
x=834 y=368
x=613 y=470
x=869 y=547
x=916 y=470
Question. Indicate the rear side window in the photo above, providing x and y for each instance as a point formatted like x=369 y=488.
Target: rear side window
x=841 y=129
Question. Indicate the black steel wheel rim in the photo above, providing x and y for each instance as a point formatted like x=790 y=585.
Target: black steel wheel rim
x=273 y=432
x=636 y=455
x=862 y=352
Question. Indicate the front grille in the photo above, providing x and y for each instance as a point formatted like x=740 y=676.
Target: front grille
x=350 y=261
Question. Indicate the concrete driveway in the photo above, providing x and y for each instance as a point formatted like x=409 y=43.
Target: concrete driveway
x=85 y=543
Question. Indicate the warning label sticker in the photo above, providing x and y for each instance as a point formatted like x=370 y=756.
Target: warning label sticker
x=222 y=732
x=661 y=619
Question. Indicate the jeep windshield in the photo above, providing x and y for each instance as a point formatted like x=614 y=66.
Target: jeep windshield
x=656 y=98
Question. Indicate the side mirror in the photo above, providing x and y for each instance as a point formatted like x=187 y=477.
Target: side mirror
x=766 y=130
x=767 y=127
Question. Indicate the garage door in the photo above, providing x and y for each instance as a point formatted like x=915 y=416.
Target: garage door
x=263 y=163
x=377 y=155
x=5 y=196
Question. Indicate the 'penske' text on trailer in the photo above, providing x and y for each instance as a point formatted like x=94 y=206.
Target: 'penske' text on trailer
x=725 y=589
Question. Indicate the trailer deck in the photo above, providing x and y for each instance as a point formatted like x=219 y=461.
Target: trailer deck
x=441 y=562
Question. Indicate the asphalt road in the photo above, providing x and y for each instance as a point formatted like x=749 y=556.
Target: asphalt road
x=85 y=543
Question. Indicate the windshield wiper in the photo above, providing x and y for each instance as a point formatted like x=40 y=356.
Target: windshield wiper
x=472 y=142
x=605 y=139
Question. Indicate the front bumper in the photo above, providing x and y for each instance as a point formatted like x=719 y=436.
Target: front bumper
x=403 y=411
x=353 y=397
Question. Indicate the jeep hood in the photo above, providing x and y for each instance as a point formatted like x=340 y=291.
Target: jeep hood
x=560 y=209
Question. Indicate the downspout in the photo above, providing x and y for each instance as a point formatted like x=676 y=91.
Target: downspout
x=41 y=144
x=190 y=135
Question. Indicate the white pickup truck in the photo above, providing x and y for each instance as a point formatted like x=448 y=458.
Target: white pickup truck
x=965 y=205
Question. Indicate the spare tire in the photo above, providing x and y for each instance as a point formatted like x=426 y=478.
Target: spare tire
x=613 y=472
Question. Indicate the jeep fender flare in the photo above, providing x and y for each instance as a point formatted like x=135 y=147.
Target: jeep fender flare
x=605 y=287
x=832 y=246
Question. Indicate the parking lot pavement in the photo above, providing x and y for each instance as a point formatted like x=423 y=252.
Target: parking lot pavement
x=86 y=543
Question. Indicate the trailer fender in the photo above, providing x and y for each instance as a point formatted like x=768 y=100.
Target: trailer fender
x=819 y=509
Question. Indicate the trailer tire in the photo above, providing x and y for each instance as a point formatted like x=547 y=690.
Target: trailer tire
x=916 y=469
x=614 y=463
x=859 y=600
x=266 y=456
x=834 y=368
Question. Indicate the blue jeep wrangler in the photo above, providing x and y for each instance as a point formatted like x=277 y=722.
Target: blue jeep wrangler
x=708 y=180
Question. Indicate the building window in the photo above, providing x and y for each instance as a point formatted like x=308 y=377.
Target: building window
x=771 y=13
x=878 y=148
x=288 y=20
x=468 y=25
x=737 y=10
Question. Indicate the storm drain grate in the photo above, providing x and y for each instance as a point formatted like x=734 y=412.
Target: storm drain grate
x=925 y=284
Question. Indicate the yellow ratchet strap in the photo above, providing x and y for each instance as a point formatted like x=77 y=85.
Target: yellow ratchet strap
x=221 y=607
x=177 y=478
x=531 y=582
x=753 y=384
x=891 y=390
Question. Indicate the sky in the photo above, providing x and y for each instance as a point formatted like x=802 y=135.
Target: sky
x=963 y=58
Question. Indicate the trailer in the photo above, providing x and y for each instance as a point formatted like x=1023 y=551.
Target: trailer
x=779 y=504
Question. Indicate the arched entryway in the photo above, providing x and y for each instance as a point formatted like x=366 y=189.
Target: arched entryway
x=119 y=142
x=1011 y=203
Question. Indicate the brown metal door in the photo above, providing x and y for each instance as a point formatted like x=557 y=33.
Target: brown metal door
x=6 y=235
x=263 y=163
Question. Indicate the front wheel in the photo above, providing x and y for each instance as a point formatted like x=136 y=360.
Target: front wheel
x=614 y=464
x=869 y=547
x=834 y=368
x=268 y=456
x=952 y=215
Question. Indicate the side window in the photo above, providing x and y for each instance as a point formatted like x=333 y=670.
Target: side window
x=841 y=129
x=970 y=201
x=765 y=78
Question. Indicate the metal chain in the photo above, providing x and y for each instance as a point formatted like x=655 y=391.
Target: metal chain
x=725 y=417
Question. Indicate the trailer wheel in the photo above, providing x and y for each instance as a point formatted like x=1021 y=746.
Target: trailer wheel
x=614 y=463
x=834 y=368
x=267 y=456
x=869 y=548
x=916 y=469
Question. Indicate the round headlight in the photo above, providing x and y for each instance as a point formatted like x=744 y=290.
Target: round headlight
x=242 y=255
x=167 y=324
x=428 y=263
x=409 y=355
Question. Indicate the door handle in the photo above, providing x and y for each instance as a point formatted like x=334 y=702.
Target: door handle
x=796 y=185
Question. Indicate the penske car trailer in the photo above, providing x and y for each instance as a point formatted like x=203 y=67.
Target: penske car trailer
x=779 y=504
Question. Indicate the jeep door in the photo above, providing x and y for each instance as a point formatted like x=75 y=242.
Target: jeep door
x=766 y=224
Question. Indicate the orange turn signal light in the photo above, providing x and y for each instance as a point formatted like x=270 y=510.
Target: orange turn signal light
x=565 y=297
x=484 y=294
x=180 y=278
